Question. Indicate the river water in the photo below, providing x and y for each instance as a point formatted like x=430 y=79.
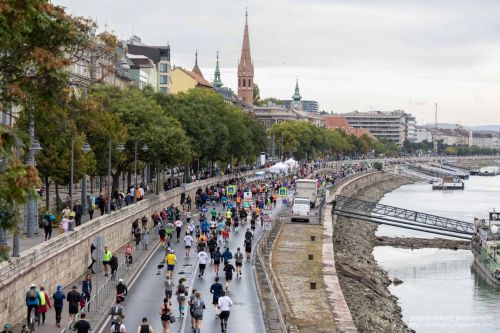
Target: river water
x=441 y=292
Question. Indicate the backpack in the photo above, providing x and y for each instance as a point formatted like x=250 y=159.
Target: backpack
x=31 y=294
x=248 y=242
x=118 y=328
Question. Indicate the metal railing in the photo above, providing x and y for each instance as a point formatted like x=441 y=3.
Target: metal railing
x=96 y=309
x=279 y=302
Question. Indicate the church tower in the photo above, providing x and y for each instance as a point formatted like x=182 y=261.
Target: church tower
x=217 y=81
x=245 y=69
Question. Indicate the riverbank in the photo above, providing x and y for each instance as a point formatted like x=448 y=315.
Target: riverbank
x=363 y=282
x=420 y=243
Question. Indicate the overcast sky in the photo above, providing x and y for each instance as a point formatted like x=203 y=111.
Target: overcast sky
x=348 y=55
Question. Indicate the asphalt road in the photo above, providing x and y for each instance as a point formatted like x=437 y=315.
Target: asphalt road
x=146 y=296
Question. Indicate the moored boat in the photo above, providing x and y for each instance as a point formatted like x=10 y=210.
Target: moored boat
x=485 y=246
x=449 y=183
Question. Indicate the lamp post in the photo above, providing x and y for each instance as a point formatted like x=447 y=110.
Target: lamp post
x=31 y=208
x=145 y=148
x=85 y=148
x=120 y=148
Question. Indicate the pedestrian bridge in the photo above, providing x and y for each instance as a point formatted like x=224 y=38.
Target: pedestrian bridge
x=404 y=218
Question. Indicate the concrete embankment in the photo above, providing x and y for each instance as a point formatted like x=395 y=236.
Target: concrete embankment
x=364 y=284
x=419 y=243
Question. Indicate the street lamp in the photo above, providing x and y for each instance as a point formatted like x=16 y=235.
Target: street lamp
x=145 y=148
x=120 y=148
x=85 y=149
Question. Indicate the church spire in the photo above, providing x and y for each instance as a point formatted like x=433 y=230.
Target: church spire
x=196 y=69
x=217 y=81
x=296 y=96
x=245 y=68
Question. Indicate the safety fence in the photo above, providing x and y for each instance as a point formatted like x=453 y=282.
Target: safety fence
x=97 y=308
x=279 y=311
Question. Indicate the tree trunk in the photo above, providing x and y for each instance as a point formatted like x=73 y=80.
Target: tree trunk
x=129 y=179
x=91 y=184
x=115 y=181
x=47 y=193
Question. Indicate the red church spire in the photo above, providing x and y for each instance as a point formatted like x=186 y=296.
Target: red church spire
x=245 y=68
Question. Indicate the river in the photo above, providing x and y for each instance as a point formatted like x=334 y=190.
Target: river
x=441 y=292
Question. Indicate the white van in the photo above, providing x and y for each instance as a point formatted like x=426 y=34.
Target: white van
x=301 y=209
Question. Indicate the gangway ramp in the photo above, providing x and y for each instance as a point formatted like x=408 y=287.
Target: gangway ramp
x=400 y=217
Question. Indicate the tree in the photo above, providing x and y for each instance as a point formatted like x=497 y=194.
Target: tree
x=17 y=182
x=256 y=94
x=37 y=42
x=146 y=123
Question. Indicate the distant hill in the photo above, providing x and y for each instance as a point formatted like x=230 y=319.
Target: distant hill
x=486 y=128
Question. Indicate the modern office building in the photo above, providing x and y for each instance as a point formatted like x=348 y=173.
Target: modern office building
x=160 y=55
x=390 y=126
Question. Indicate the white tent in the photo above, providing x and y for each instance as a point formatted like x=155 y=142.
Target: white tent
x=291 y=163
x=279 y=167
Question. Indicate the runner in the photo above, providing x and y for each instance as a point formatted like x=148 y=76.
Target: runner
x=213 y=213
x=169 y=288
x=212 y=245
x=170 y=233
x=163 y=233
x=248 y=247
x=248 y=234
x=227 y=255
x=190 y=302
x=238 y=257
x=129 y=250
x=202 y=262
x=216 y=256
x=252 y=225
x=229 y=269
x=145 y=327
x=217 y=291
x=118 y=327
x=188 y=242
x=166 y=315
x=236 y=224
x=171 y=260
x=198 y=307
x=224 y=303
x=182 y=292
x=178 y=229
x=225 y=237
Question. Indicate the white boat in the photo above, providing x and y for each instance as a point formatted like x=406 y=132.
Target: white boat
x=489 y=171
x=449 y=183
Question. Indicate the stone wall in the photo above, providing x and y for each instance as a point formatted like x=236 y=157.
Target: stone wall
x=65 y=258
x=341 y=313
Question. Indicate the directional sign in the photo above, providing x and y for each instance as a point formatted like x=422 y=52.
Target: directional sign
x=231 y=190
x=283 y=192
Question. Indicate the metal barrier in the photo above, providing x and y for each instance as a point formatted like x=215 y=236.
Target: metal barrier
x=97 y=307
x=280 y=304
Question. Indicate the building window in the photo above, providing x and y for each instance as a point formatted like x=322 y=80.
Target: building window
x=163 y=79
x=249 y=82
x=163 y=68
x=163 y=89
x=244 y=83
